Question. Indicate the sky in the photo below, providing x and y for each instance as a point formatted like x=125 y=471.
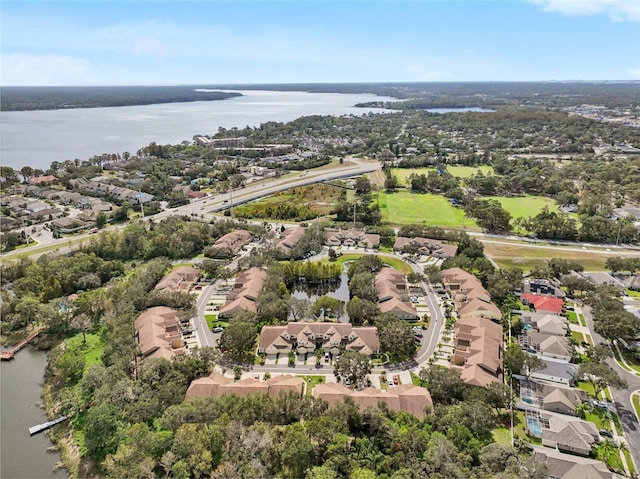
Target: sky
x=304 y=41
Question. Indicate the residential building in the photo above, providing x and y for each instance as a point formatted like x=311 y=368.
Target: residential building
x=573 y=436
x=601 y=278
x=543 y=322
x=556 y=371
x=469 y=296
x=178 y=279
x=425 y=246
x=158 y=333
x=478 y=351
x=413 y=399
x=289 y=238
x=543 y=287
x=551 y=396
x=544 y=304
x=218 y=385
x=243 y=296
x=231 y=243
x=391 y=287
x=547 y=345
x=352 y=238
x=565 y=466
x=38 y=180
x=104 y=189
x=305 y=337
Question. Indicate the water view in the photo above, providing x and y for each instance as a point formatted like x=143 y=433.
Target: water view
x=24 y=456
x=36 y=138
x=338 y=290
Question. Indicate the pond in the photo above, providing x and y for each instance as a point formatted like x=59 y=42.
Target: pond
x=337 y=289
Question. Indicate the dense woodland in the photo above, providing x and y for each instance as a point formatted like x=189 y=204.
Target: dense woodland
x=61 y=98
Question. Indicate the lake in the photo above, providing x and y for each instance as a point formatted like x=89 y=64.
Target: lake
x=24 y=456
x=36 y=138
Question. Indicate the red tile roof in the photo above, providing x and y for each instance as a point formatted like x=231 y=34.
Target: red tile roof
x=543 y=303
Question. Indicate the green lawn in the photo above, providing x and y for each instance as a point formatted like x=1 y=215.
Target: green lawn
x=395 y=263
x=633 y=294
x=572 y=317
x=467 y=171
x=403 y=207
x=312 y=381
x=528 y=257
x=578 y=336
x=91 y=350
x=403 y=174
x=502 y=435
x=524 y=206
x=636 y=404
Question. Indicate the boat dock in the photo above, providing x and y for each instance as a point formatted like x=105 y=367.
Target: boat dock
x=46 y=425
x=7 y=355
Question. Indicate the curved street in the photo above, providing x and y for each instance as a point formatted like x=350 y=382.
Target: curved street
x=622 y=397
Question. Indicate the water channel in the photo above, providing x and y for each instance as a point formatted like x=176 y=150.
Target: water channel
x=21 y=455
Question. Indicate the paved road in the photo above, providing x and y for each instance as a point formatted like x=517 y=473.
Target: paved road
x=622 y=397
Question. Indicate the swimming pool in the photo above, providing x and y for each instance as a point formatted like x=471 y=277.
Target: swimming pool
x=534 y=427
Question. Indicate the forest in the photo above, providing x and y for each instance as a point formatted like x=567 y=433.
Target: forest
x=15 y=98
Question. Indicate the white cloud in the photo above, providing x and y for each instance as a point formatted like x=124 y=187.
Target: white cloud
x=149 y=46
x=34 y=69
x=616 y=10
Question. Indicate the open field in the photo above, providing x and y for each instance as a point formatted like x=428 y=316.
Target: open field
x=467 y=171
x=524 y=206
x=458 y=171
x=403 y=207
x=403 y=174
x=527 y=256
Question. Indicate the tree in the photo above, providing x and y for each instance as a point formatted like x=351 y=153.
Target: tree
x=362 y=311
x=299 y=308
x=238 y=341
x=445 y=385
x=601 y=376
x=326 y=306
x=104 y=422
x=352 y=368
x=498 y=395
x=82 y=323
x=101 y=220
x=396 y=338
x=363 y=185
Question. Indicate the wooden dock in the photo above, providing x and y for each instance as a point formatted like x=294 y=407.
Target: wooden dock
x=46 y=425
x=7 y=355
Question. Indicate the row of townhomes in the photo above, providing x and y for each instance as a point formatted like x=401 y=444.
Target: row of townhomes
x=426 y=247
x=393 y=297
x=479 y=344
x=106 y=189
x=307 y=337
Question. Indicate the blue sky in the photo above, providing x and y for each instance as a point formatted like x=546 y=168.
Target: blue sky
x=150 y=42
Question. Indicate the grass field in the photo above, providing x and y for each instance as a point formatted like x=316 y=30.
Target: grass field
x=91 y=351
x=467 y=171
x=458 y=171
x=527 y=257
x=524 y=206
x=403 y=207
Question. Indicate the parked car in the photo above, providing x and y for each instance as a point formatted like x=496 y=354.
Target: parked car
x=390 y=382
x=257 y=377
x=604 y=432
x=218 y=329
x=395 y=379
